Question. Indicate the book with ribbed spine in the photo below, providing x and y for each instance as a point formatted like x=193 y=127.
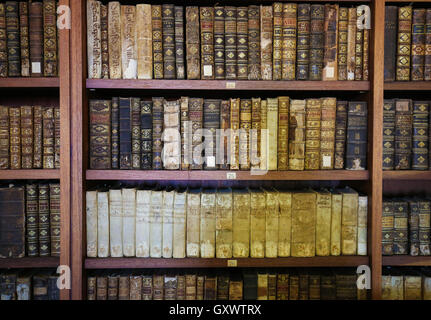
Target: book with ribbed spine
x=424 y=227
x=427 y=59
x=32 y=220
x=277 y=38
x=357 y=143
x=57 y=138
x=297 y=135
x=400 y=227
x=283 y=133
x=100 y=134
x=303 y=42
x=242 y=43
x=387 y=227
x=234 y=134
x=94 y=40
x=418 y=45
x=193 y=43
x=54 y=216
x=255 y=136
x=15 y=138
x=327 y=133
x=390 y=47
x=196 y=118
x=37 y=137
x=48 y=137
x=413 y=221
x=257 y=223
x=125 y=121
x=343 y=22
x=13 y=39
x=211 y=122
x=186 y=134
x=219 y=67
x=104 y=38
x=388 y=134
x=24 y=39
x=157 y=132
x=129 y=49
x=36 y=38
x=253 y=42
x=4 y=138
x=3 y=42
x=146 y=134
x=241 y=223
x=266 y=35
x=144 y=39
x=156 y=25
x=114 y=40
x=115 y=132
x=50 y=39
x=168 y=36
x=272 y=125
x=26 y=137
x=223 y=158
x=44 y=230
x=288 y=57
x=136 y=132
x=359 y=39
x=179 y=42
x=263 y=165
x=207 y=42
x=171 y=135
x=366 y=55
x=330 y=61
x=420 y=135
x=340 y=134
x=403 y=133
x=317 y=41
x=303 y=223
x=351 y=44
x=230 y=49
x=244 y=136
x=312 y=133
x=404 y=38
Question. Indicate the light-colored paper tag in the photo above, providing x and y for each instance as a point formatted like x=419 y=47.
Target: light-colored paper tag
x=326 y=161
x=208 y=71
x=231 y=176
x=232 y=263
x=230 y=85
x=330 y=72
x=211 y=162
x=35 y=67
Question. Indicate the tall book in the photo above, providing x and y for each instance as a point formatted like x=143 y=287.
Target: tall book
x=242 y=42
x=366 y=56
x=13 y=39
x=271 y=223
x=4 y=137
x=400 y=227
x=54 y=214
x=427 y=60
x=114 y=40
x=424 y=227
x=24 y=39
x=125 y=121
x=257 y=223
x=362 y=225
x=179 y=228
x=37 y=137
x=303 y=224
x=317 y=41
x=193 y=43
x=102 y=225
x=312 y=133
x=104 y=43
x=327 y=287
x=115 y=132
x=207 y=42
x=15 y=138
x=288 y=57
x=327 y=133
x=3 y=42
x=168 y=37
x=356 y=144
x=283 y=133
x=32 y=220
x=44 y=232
x=404 y=38
x=359 y=49
x=403 y=133
x=351 y=44
x=349 y=222
x=100 y=134
x=266 y=36
x=293 y=287
x=336 y=212
x=48 y=137
x=193 y=223
x=343 y=33
x=330 y=61
x=254 y=43
x=186 y=134
x=255 y=135
x=285 y=223
x=420 y=134
x=144 y=39
x=234 y=136
x=303 y=42
x=36 y=37
x=179 y=42
x=157 y=132
x=208 y=224
x=167 y=223
x=413 y=222
x=297 y=135
x=91 y=223
x=391 y=13
x=116 y=222
x=388 y=134
x=387 y=227
x=304 y=280
x=171 y=135
x=244 y=136
x=223 y=236
x=26 y=137
x=157 y=29
x=418 y=45
x=219 y=43
x=241 y=224
x=272 y=125
x=50 y=38
x=196 y=118
x=263 y=165
x=146 y=134
x=129 y=218
x=230 y=39
x=143 y=210
x=129 y=54
x=211 y=122
x=277 y=39
x=323 y=223
x=94 y=40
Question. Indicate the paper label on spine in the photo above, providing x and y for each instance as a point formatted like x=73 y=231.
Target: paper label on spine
x=35 y=67
x=330 y=72
x=208 y=71
x=326 y=161
x=211 y=162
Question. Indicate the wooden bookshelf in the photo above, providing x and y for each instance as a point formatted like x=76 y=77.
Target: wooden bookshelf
x=408 y=86
x=30 y=262
x=53 y=82
x=407 y=175
x=29 y=174
x=407 y=261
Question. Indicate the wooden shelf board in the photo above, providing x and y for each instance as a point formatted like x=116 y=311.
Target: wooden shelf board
x=229 y=85
x=30 y=262
x=224 y=175
x=29 y=174
x=407 y=86
x=128 y=263
x=407 y=175
x=406 y=260
x=51 y=82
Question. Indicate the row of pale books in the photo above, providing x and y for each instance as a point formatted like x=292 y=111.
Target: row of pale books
x=406 y=226
x=29 y=137
x=28 y=39
x=407 y=44
x=282 y=41
x=406 y=134
x=247 y=134
x=286 y=284
x=30 y=220
x=406 y=284
x=225 y=223
x=29 y=285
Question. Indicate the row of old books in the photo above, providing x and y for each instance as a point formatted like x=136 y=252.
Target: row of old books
x=406 y=226
x=29 y=137
x=30 y=220
x=258 y=134
x=282 y=41
x=29 y=285
x=406 y=134
x=410 y=284
x=284 y=284
x=407 y=44
x=225 y=223
x=28 y=39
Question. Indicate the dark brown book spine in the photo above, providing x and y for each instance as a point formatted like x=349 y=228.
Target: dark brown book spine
x=125 y=130
x=230 y=42
x=36 y=38
x=156 y=21
x=13 y=39
x=359 y=50
x=330 y=71
x=123 y=288
x=303 y=42
x=32 y=220
x=48 y=137
x=418 y=45
x=24 y=39
x=115 y=132
x=404 y=43
x=104 y=38
x=49 y=38
x=112 y=287
x=224 y=125
x=207 y=42
x=3 y=42
x=38 y=137
x=27 y=137
x=136 y=133
x=340 y=134
x=390 y=49
x=54 y=216
x=242 y=42
x=15 y=137
x=254 y=43
x=192 y=43
x=157 y=132
x=4 y=137
x=168 y=23
x=219 y=43
x=289 y=41
x=317 y=13
x=57 y=132
x=102 y=288
x=211 y=122
x=427 y=69
x=277 y=40
x=196 y=117
x=146 y=135
x=100 y=134
x=44 y=232
x=403 y=133
x=366 y=56
x=179 y=42
x=91 y=288
x=343 y=22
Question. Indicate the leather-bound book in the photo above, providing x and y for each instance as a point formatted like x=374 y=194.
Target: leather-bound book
x=413 y=236
x=391 y=13
x=104 y=38
x=254 y=43
x=207 y=42
x=223 y=223
x=144 y=38
x=135 y=287
x=277 y=39
x=343 y=23
x=288 y=57
x=40 y=287
x=427 y=63
x=146 y=134
x=156 y=224
x=255 y=135
x=129 y=221
x=125 y=121
x=426 y=287
x=244 y=134
x=285 y=223
x=50 y=38
x=366 y=55
x=196 y=118
x=57 y=138
x=230 y=39
x=23 y=286
x=387 y=227
x=102 y=224
x=403 y=133
x=392 y=287
x=356 y=144
x=26 y=137
x=327 y=133
x=388 y=134
x=158 y=120
x=400 y=227
x=54 y=217
x=257 y=223
x=223 y=139
x=190 y=287
x=412 y=287
x=223 y=287
x=15 y=137
x=312 y=133
x=143 y=212
x=297 y=135
x=3 y=42
x=113 y=287
x=234 y=138
x=303 y=224
x=424 y=227
x=186 y=134
x=115 y=132
x=44 y=221
x=314 y=287
x=8 y=286
x=349 y=221
x=271 y=223
x=404 y=39
x=193 y=223
x=317 y=41
x=114 y=40
x=359 y=50
x=362 y=225
x=102 y=288
x=263 y=165
x=13 y=38
x=346 y=286
x=24 y=39
x=219 y=66
x=420 y=134
x=304 y=280
x=53 y=289
x=32 y=220
x=266 y=32
x=272 y=286
x=207 y=223
x=283 y=133
x=330 y=61
x=179 y=42
x=282 y=286
x=179 y=224
x=210 y=287
x=36 y=37
x=242 y=43
x=168 y=30
x=91 y=287
x=340 y=134
x=48 y=143
x=100 y=134
x=167 y=223
x=327 y=287
x=157 y=27
x=37 y=136
x=129 y=48
x=123 y=287
x=91 y=223
x=272 y=125
x=241 y=223
x=351 y=44
x=4 y=137
x=170 y=287
x=12 y=222
x=211 y=122
x=136 y=132
x=303 y=42
x=323 y=222
x=94 y=40
x=193 y=43
x=294 y=287
x=250 y=286
x=336 y=211
x=235 y=288
x=147 y=287
x=200 y=282
x=418 y=45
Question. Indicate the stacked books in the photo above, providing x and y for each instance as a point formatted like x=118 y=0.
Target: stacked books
x=406 y=226
x=29 y=285
x=406 y=135
x=225 y=223
x=399 y=284
x=286 y=284
x=30 y=221
x=282 y=41
x=28 y=39
x=407 y=44
x=29 y=137
x=246 y=134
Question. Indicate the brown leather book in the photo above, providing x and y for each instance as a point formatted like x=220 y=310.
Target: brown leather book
x=230 y=30
x=36 y=38
x=129 y=52
x=277 y=39
x=255 y=136
x=427 y=69
x=190 y=287
x=224 y=125
x=193 y=43
x=104 y=43
x=94 y=49
x=211 y=122
x=312 y=134
x=314 y=287
x=123 y=287
x=234 y=126
x=289 y=41
x=37 y=137
x=219 y=66
x=207 y=42
x=403 y=133
x=343 y=22
x=24 y=39
x=418 y=45
x=283 y=133
x=327 y=133
x=294 y=287
x=253 y=42
x=156 y=16
x=266 y=30
x=54 y=214
x=340 y=134
x=170 y=287
x=91 y=287
x=366 y=56
x=44 y=232
x=317 y=41
x=48 y=137
x=245 y=126
x=32 y=220
x=200 y=283
x=157 y=132
x=57 y=132
x=4 y=137
x=181 y=287
x=135 y=287
x=147 y=287
x=186 y=134
x=235 y=289
x=179 y=42
x=100 y=134
x=3 y=42
x=404 y=43
x=358 y=50
x=168 y=36
x=13 y=39
x=196 y=117
x=242 y=43
x=114 y=42
x=297 y=135
x=330 y=61
x=303 y=41
x=15 y=137
x=102 y=288
x=27 y=137
x=49 y=38
x=12 y=222
x=351 y=42
x=158 y=287
x=113 y=287
x=282 y=286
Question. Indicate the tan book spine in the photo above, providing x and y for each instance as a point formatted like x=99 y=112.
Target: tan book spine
x=241 y=224
x=312 y=134
x=48 y=137
x=262 y=286
x=412 y=288
x=193 y=43
x=349 y=222
x=234 y=138
x=285 y=223
x=37 y=137
x=167 y=227
x=179 y=231
x=244 y=134
x=336 y=206
x=207 y=224
x=144 y=40
x=116 y=223
x=351 y=40
x=94 y=40
x=129 y=217
x=91 y=225
x=272 y=222
x=156 y=224
x=266 y=30
x=362 y=225
x=255 y=135
x=4 y=137
x=283 y=132
x=264 y=135
x=303 y=224
x=297 y=135
x=193 y=223
x=102 y=224
x=15 y=137
x=272 y=125
x=223 y=238
x=277 y=39
x=257 y=223
x=327 y=133
x=323 y=223
x=26 y=137
x=114 y=39
x=426 y=288
x=129 y=57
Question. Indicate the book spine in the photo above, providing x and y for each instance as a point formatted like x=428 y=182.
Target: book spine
x=404 y=43
x=312 y=133
x=3 y=42
x=15 y=137
x=32 y=220
x=143 y=204
x=242 y=43
x=123 y=288
x=157 y=132
x=314 y=287
x=115 y=222
x=50 y=38
x=54 y=216
x=48 y=137
x=330 y=70
x=234 y=138
x=4 y=137
x=179 y=42
x=186 y=134
x=424 y=227
x=366 y=56
x=362 y=225
x=168 y=36
x=193 y=43
x=356 y=145
x=241 y=224
x=387 y=228
x=193 y=225
x=136 y=132
x=263 y=165
x=224 y=125
x=144 y=38
x=146 y=135
x=285 y=224
x=303 y=42
x=413 y=225
x=230 y=42
x=171 y=135
x=297 y=135
x=289 y=41
x=13 y=38
x=219 y=67
x=244 y=136
x=100 y=134
x=336 y=211
x=24 y=39
x=317 y=13
x=253 y=43
x=157 y=29
x=91 y=223
x=167 y=224
x=94 y=48
x=400 y=227
x=44 y=228
x=403 y=133
x=57 y=132
x=349 y=222
x=179 y=227
x=283 y=133
x=223 y=224
x=427 y=62
x=277 y=39
x=104 y=38
x=36 y=38
x=359 y=50
x=418 y=45
x=211 y=122
x=196 y=118
x=388 y=134
x=271 y=224
x=207 y=42
x=190 y=287
x=38 y=137
x=115 y=132
x=343 y=23
x=327 y=133
x=129 y=221
x=272 y=120
x=112 y=287
x=207 y=224
x=420 y=135
x=147 y=287
x=390 y=42
x=114 y=40
x=351 y=44
x=129 y=48
x=125 y=126
x=266 y=36
x=26 y=137
x=255 y=135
